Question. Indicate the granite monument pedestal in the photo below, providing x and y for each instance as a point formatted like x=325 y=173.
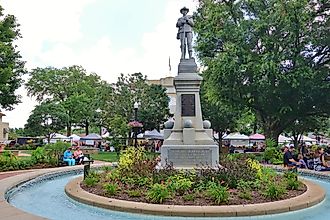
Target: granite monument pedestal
x=188 y=143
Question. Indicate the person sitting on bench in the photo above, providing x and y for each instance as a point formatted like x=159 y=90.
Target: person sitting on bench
x=319 y=162
x=78 y=155
x=288 y=160
x=68 y=157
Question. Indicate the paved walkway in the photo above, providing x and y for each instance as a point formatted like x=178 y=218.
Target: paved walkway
x=7 y=174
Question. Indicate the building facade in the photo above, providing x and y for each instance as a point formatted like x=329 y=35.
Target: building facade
x=4 y=129
x=168 y=84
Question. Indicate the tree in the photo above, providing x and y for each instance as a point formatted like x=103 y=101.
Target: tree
x=11 y=67
x=269 y=56
x=46 y=119
x=154 y=107
x=303 y=125
x=80 y=94
x=152 y=99
x=223 y=117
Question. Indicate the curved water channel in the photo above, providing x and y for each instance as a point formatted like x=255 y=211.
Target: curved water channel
x=46 y=197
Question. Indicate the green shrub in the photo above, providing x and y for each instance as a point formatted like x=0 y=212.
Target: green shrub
x=111 y=188
x=158 y=193
x=274 y=190
x=55 y=150
x=134 y=161
x=143 y=181
x=134 y=193
x=269 y=142
x=292 y=184
x=272 y=154
x=290 y=175
x=91 y=181
x=113 y=175
x=219 y=194
x=8 y=155
x=245 y=189
x=39 y=155
x=107 y=168
x=230 y=175
x=247 y=195
x=189 y=197
x=179 y=183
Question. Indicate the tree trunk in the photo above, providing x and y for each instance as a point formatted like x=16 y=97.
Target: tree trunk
x=272 y=133
x=220 y=134
x=68 y=129
x=48 y=138
x=87 y=127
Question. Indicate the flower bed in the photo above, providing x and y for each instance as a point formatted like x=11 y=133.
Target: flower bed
x=240 y=181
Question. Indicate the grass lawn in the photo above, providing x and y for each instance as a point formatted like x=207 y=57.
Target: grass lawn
x=112 y=156
x=105 y=156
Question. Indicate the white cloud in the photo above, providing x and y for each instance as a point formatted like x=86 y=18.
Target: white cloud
x=59 y=22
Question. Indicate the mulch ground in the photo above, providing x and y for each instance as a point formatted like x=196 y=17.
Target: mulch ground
x=200 y=199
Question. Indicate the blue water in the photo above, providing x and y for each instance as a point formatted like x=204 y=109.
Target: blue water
x=47 y=199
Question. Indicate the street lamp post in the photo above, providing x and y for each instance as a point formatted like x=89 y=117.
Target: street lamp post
x=99 y=115
x=136 y=106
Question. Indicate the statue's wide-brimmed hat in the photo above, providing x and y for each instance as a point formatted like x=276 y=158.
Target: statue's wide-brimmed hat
x=184 y=9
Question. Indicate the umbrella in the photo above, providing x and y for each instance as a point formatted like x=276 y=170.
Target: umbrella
x=257 y=137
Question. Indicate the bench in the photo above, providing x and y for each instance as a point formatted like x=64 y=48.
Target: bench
x=62 y=163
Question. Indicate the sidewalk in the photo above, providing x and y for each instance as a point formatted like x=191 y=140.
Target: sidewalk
x=7 y=174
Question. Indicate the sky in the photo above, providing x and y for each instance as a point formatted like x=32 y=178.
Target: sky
x=107 y=37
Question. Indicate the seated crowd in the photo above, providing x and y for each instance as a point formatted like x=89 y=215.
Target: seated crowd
x=315 y=161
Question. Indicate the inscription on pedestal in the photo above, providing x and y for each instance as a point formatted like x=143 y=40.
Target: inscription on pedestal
x=190 y=157
x=188 y=105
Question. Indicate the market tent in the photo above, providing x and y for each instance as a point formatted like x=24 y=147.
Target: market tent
x=307 y=139
x=154 y=134
x=237 y=139
x=94 y=137
x=74 y=137
x=257 y=137
x=283 y=139
x=58 y=137
x=236 y=136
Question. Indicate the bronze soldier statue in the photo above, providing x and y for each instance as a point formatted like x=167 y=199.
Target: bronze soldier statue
x=185 y=24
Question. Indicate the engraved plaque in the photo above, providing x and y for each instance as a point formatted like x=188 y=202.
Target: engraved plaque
x=190 y=157
x=188 y=105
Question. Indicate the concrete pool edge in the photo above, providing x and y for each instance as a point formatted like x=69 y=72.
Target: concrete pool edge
x=314 y=195
x=8 y=211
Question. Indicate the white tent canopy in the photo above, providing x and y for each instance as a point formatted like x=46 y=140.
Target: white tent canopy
x=154 y=134
x=236 y=136
x=306 y=139
x=237 y=139
x=283 y=139
x=74 y=137
x=58 y=137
